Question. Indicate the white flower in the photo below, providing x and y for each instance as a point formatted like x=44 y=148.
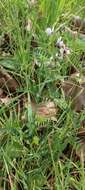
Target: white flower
x=49 y=31
x=60 y=43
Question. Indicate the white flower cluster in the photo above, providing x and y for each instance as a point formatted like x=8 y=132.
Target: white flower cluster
x=63 y=49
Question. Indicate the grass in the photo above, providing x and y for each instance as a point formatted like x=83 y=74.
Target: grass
x=38 y=154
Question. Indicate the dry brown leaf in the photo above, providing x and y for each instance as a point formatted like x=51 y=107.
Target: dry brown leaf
x=7 y=44
x=47 y=109
x=1 y=93
x=78 y=24
x=76 y=21
x=83 y=26
x=7 y=82
x=73 y=70
x=75 y=91
x=81 y=132
x=80 y=151
x=6 y=100
x=34 y=43
x=82 y=123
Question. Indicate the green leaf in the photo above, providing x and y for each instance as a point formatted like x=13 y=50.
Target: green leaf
x=35 y=140
x=8 y=63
